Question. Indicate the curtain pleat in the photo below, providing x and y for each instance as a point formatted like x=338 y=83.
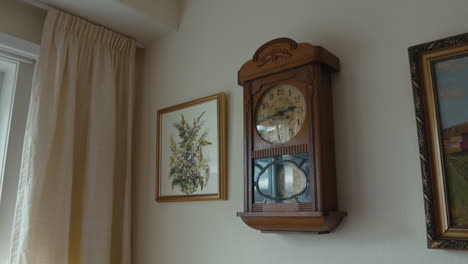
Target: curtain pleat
x=74 y=194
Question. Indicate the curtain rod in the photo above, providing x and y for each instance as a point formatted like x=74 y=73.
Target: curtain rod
x=44 y=6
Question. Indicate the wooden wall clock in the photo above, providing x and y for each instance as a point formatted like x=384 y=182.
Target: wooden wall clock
x=290 y=181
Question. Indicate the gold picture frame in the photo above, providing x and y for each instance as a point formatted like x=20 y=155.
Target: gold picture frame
x=438 y=87
x=191 y=151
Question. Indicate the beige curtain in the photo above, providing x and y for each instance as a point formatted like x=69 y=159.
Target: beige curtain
x=74 y=195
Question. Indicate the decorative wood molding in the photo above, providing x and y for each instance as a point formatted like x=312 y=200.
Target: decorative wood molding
x=292 y=46
x=273 y=56
x=287 y=150
x=284 y=53
x=293 y=222
x=257 y=208
x=265 y=208
x=302 y=73
x=256 y=86
x=415 y=53
x=306 y=207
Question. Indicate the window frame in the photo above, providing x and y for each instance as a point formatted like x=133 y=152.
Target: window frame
x=10 y=69
x=19 y=58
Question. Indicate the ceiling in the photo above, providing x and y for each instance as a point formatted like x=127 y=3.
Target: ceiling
x=141 y=19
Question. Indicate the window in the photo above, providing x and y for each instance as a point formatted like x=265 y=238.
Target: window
x=16 y=72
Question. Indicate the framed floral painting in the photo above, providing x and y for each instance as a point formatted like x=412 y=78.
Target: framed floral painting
x=191 y=156
x=439 y=72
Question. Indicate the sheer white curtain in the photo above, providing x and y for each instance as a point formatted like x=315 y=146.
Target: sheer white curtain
x=74 y=196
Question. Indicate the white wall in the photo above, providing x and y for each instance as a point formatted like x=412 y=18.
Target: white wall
x=21 y=20
x=164 y=11
x=379 y=177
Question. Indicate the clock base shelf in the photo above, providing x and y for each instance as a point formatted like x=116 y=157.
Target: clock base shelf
x=292 y=222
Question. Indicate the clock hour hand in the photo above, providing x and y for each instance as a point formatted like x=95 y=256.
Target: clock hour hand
x=268 y=118
x=279 y=113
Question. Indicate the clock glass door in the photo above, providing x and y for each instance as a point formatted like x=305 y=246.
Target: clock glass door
x=282 y=179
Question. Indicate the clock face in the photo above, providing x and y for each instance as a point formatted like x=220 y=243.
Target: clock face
x=280 y=113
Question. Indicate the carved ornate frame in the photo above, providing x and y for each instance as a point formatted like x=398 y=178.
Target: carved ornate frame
x=440 y=235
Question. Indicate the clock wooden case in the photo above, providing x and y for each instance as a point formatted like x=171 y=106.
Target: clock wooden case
x=289 y=160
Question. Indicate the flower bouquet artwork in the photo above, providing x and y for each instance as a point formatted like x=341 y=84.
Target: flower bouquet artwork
x=191 y=163
x=189 y=170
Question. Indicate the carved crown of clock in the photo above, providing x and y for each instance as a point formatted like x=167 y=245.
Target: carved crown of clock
x=289 y=150
x=277 y=54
